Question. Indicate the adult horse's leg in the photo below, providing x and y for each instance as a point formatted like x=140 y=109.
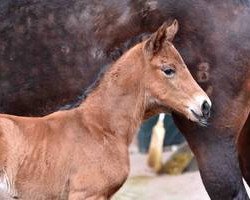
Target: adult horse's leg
x=244 y=150
x=215 y=149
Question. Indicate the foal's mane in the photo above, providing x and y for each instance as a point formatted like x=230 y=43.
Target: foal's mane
x=75 y=103
x=114 y=54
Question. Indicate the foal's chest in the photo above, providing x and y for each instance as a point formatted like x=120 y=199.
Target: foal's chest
x=106 y=171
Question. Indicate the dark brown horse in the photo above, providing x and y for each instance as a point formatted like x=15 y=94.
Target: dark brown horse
x=47 y=47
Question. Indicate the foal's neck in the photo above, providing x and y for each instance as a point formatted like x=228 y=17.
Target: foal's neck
x=117 y=105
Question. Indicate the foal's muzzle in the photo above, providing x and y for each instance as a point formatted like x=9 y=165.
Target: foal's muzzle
x=202 y=113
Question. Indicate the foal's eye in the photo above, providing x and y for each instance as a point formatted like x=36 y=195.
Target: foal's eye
x=169 y=72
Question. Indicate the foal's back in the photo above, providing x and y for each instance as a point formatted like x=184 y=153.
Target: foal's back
x=39 y=155
x=34 y=158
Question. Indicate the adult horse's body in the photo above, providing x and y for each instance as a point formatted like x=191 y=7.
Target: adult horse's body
x=47 y=47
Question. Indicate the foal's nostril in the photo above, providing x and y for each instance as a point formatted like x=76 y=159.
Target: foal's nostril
x=205 y=108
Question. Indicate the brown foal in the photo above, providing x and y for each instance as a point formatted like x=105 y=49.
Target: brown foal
x=83 y=153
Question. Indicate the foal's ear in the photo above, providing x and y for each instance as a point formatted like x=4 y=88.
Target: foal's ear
x=157 y=39
x=172 y=30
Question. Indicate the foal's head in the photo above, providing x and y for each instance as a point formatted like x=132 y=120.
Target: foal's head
x=168 y=80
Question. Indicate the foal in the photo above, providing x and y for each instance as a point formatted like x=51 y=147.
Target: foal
x=83 y=153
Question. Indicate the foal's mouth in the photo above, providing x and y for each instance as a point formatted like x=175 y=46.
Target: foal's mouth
x=202 y=120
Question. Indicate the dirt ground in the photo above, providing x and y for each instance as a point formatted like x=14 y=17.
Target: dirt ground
x=143 y=184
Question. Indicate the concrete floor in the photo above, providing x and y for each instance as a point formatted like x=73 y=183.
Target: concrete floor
x=143 y=184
